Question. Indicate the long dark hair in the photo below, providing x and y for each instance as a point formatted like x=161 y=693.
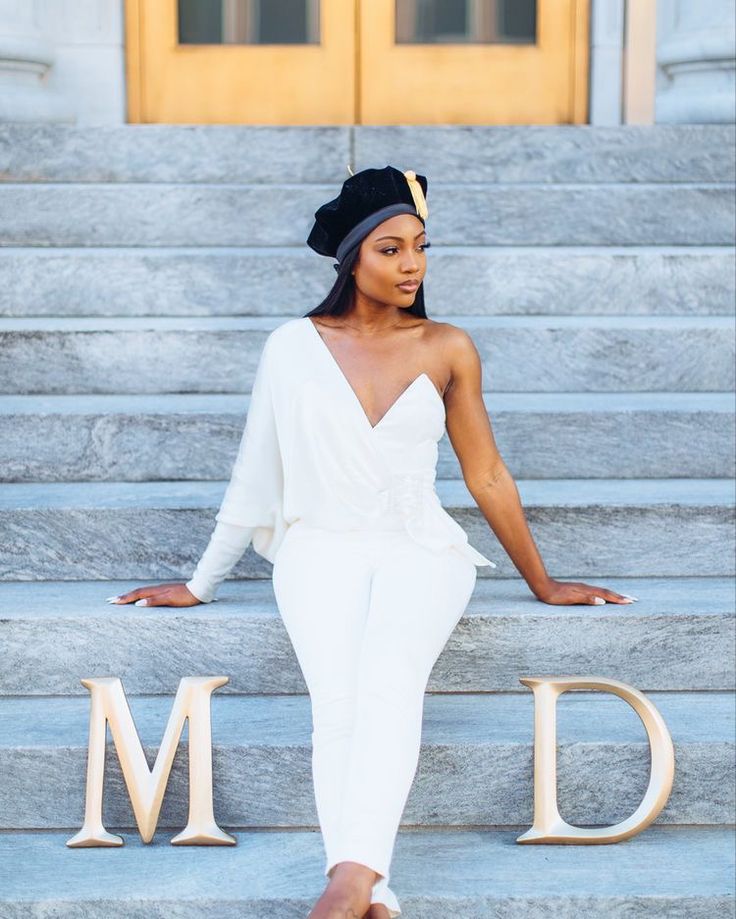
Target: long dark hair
x=340 y=297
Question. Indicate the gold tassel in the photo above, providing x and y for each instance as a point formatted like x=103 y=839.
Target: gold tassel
x=417 y=194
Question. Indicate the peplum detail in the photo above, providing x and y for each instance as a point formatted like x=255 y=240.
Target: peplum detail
x=411 y=496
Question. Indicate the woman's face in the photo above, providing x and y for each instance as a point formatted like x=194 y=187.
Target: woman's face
x=391 y=254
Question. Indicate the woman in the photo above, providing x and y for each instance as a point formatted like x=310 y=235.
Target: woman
x=334 y=484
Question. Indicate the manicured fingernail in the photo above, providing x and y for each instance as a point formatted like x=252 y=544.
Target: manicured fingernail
x=110 y=599
x=598 y=600
x=141 y=603
x=629 y=596
x=628 y=600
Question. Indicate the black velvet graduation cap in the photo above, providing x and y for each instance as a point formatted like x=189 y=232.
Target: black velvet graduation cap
x=367 y=198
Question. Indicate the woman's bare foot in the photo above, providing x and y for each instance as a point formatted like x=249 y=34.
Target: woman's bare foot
x=348 y=894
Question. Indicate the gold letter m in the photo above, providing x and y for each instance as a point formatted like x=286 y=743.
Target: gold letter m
x=145 y=788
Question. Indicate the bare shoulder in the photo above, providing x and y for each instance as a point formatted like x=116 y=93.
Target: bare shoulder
x=454 y=343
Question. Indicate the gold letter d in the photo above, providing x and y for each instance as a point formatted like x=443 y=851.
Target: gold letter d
x=549 y=827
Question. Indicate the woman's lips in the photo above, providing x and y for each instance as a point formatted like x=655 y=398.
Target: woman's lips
x=408 y=286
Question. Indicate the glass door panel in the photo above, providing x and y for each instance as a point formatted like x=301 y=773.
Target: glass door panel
x=452 y=21
x=248 y=22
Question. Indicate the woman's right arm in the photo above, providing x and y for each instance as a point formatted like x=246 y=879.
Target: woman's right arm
x=252 y=499
x=227 y=544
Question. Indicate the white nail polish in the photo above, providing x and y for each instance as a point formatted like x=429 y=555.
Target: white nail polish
x=598 y=600
x=110 y=599
x=141 y=603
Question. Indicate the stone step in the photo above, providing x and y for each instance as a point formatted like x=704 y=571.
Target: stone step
x=678 y=636
x=261 y=751
x=512 y=280
x=583 y=527
x=55 y=438
x=161 y=214
x=219 y=354
x=663 y=872
x=589 y=528
x=266 y=154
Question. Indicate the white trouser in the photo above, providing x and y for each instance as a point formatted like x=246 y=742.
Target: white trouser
x=367 y=612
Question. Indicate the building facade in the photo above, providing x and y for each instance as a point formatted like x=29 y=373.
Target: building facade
x=301 y=62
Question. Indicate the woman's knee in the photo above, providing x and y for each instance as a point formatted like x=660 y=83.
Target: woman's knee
x=333 y=717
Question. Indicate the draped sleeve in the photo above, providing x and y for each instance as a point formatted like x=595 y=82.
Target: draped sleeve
x=252 y=506
x=227 y=544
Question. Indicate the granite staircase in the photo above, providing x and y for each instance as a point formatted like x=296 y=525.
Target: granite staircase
x=141 y=268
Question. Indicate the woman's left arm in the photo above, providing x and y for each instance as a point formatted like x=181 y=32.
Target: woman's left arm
x=490 y=483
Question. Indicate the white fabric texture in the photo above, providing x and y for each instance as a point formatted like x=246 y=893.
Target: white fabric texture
x=309 y=452
x=367 y=613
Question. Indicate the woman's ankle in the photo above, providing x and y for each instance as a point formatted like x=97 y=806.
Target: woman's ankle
x=378 y=911
x=355 y=873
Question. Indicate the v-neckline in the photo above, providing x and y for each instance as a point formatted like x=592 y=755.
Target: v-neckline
x=352 y=391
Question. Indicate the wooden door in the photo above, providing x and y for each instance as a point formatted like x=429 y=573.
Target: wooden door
x=311 y=62
x=241 y=61
x=473 y=62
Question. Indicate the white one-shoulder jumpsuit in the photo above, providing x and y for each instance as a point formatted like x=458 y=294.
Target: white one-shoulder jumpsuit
x=370 y=575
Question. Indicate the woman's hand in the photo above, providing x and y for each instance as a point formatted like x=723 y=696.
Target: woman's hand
x=158 y=595
x=570 y=592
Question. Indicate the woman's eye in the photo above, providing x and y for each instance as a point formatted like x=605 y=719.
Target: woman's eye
x=396 y=248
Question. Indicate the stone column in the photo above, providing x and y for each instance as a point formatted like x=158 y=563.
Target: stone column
x=26 y=58
x=696 y=58
x=606 y=51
